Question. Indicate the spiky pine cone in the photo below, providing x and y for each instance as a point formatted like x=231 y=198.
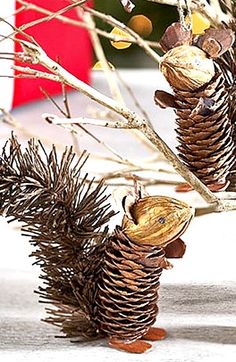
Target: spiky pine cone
x=205 y=132
x=127 y=294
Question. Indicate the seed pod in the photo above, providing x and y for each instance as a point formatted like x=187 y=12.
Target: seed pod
x=187 y=67
x=157 y=220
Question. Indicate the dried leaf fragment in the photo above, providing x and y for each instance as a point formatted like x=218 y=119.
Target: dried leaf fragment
x=99 y=66
x=164 y=99
x=176 y=249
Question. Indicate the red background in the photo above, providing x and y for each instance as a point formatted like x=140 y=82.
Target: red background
x=70 y=44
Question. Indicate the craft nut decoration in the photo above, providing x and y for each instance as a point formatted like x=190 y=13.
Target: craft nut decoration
x=187 y=67
x=99 y=285
x=200 y=69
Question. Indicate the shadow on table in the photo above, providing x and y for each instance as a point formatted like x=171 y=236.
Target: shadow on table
x=22 y=330
x=204 y=333
x=198 y=299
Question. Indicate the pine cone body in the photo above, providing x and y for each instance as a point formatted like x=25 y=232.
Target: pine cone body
x=205 y=131
x=199 y=71
x=128 y=288
x=227 y=65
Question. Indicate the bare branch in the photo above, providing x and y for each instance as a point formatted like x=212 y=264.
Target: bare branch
x=8 y=119
x=51 y=118
x=131 y=118
x=82 y=24
x=110 y=76
x=114 y=22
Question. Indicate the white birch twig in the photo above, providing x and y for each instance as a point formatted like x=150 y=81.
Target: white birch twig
x=131 y=119
x=52 y=118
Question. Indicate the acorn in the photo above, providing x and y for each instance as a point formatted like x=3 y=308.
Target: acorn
x=187 y=67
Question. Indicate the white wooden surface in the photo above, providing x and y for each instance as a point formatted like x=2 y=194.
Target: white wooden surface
x=197 y=297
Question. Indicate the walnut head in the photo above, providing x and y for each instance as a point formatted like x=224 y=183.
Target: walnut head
x=187 y=67
x=157 y=220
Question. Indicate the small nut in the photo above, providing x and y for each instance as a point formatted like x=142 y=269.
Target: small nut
x=157 y=220
x=187 y=67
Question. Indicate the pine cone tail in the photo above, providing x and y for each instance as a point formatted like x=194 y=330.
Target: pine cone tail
x=128 y=288
x=64 y=216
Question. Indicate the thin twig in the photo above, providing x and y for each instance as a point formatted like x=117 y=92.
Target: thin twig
x=114 y=22
x=133 y=96
x=52 y=118
x=50 y=98
x=131 y=118
x=114 y=89
x=65 y=113
x=124 y=172
x=53 y=15
x=16 y=31
x=65 y=101
x=68 y=115
x=117 y=157
x=11 y=121
x=66 y=20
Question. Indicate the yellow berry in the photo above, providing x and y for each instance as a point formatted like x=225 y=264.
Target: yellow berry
x=141 y=25
x=199 y=23
x=122 y=34
x=98 y=66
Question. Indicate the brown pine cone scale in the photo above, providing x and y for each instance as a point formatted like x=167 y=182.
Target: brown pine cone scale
x=204 y=131
x=126 y=300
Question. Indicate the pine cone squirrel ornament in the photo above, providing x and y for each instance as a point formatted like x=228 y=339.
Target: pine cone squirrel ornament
x=201 y=102
x=99 y=285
